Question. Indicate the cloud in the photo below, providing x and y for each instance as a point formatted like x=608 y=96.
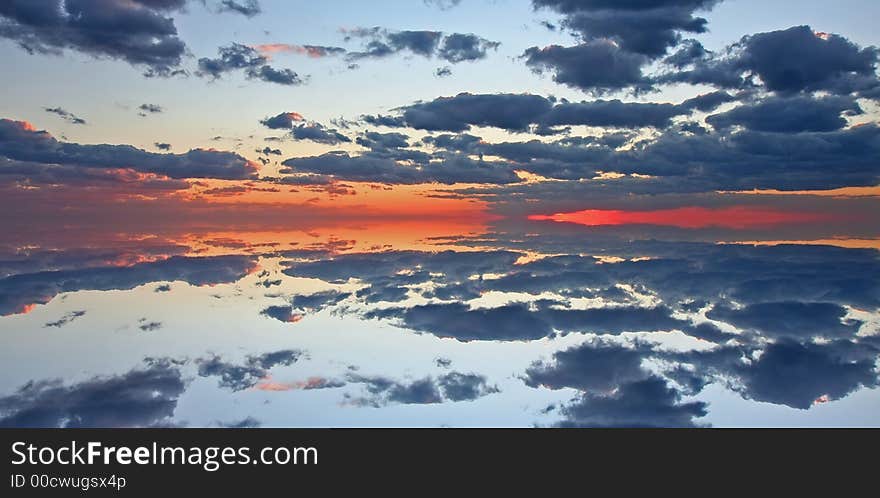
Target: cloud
x=255 y=66
x=507 y=111
x=144 y=397
x=146 y=109
x=618 y=39
x=19 y=291
x=796 y=59
x=162 y=146
x=146 y=326
x=646 y=403
x=458 y=386
x=598 y=66
x=454 y=386
x=615 y=391
x=453 y=48
x=238 y=377
x=383 y=141
x=313 y=51
x=137 y=32
x=790 y=114
x=67 y=318
x=512 y=322
x=790 y=319
x=443 y=4
x=675 y=161
x=799 y=374
x=65 y=115
x=522 y=112
x=302 y=130
x=19 y=141
x=459 y=47
x=245 y=423
x=385 y=168
x=647 y=28
x=315 y=132
x=247 y=8
x=285 y=120
x=284 y=314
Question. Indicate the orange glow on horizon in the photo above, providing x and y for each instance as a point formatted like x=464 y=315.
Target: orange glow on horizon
x=349 y=199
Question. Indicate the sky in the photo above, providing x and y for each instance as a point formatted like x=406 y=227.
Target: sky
x=330 y=213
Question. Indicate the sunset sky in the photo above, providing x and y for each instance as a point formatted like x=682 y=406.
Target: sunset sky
x=697 y=180
x=414 y=107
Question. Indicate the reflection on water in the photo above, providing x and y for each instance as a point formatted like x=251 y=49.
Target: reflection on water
x=365 y=326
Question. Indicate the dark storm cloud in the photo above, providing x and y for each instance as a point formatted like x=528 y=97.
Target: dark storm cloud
x=20 y=290
x=247 y=8
x=239 y=377
x=136 y=32
x=66 y=115
x=793 y=60
x=140 y=398
x=20 y=142
x=790 y=114
x=453 y=48
x=255 y=65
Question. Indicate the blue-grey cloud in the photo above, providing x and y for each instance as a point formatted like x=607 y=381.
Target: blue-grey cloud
x=137 y=32
x=238 y=57
x=143 y=397
x=20 y=142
